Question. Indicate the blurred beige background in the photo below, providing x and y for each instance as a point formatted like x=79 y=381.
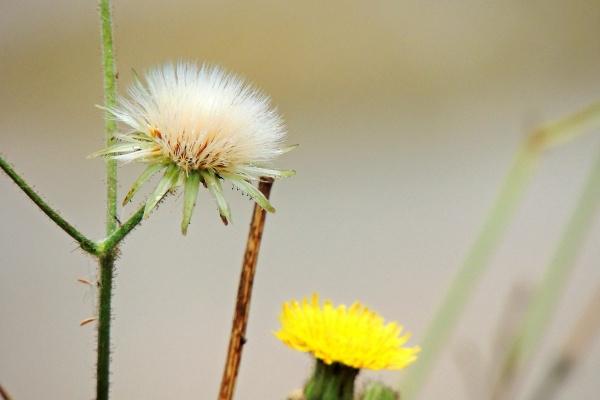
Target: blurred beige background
x=408 y=114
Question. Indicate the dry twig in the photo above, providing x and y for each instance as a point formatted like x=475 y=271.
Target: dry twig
x=242 y=307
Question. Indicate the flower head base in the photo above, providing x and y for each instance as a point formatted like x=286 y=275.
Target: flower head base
x=354 y=336
x=199 y=125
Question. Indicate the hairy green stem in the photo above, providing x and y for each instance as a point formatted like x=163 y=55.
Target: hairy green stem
x=110 y=100
x=85 y=243
x=107 y=265
x=540 y=311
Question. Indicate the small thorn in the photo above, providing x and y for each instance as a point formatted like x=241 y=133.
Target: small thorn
x=86 y=321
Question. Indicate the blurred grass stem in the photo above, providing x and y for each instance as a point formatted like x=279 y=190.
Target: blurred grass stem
x=464 y=282
x=488 y=239
x=539 y=313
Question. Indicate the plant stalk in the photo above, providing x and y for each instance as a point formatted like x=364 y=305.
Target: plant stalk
x=107 y=260
x=110 y=100
x=242 y=307
x=107 y=265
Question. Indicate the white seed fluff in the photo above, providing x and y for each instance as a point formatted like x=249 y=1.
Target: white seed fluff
x=199 y=118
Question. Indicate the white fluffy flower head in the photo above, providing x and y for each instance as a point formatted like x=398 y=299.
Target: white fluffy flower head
x=201 y=125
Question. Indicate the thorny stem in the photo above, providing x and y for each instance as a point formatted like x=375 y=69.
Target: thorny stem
x=488 y=239
x=86 y=244
x=540 y=311
x=242 y=307
x=106 y=264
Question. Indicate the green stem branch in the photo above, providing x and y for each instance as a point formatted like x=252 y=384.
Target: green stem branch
x=85 y=243
x=115 y=238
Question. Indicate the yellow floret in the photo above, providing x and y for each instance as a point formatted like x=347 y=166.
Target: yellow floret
x=354 y=336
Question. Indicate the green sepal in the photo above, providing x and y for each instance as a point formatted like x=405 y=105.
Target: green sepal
x=287 y=149
x=268 y=172
x=214 y=186
x=167 y=182
x=192 y=184
x=117 y=149
x=251 y=190
x=331 y=382
x=378 y=391
x=133 y=137
x=144 y=176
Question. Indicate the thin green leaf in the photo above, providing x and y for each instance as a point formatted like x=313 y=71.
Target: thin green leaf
x=251 y=190
x=147 y=174
x=192 y=184
x=214 y=186
x=167 y=182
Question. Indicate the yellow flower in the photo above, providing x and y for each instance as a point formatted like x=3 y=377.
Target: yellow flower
x=356 y=336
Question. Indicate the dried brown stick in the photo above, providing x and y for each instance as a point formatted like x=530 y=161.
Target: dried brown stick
x=4 y=394
x=242 y=307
